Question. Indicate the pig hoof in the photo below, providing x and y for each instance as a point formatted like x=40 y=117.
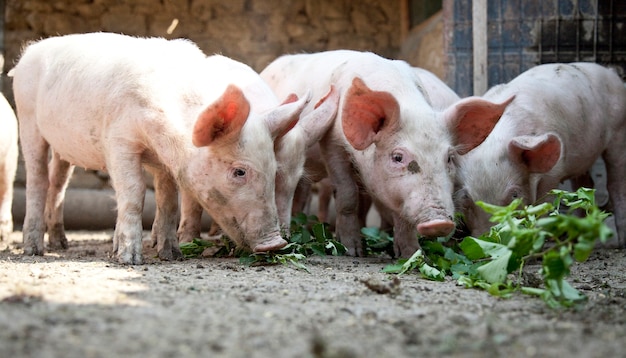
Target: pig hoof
x=435 y=228
x=59 y=243
x=32 y=251
x=130 y=259
x=271 y=245
x=171 y=255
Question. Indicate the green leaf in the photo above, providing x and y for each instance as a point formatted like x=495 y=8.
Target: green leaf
x=496 y=270
x=318 y=249
x=431 y=272
x=582 y=250
x=554 y=266
x=472 y=249
x=394 y=268
x=321 y=232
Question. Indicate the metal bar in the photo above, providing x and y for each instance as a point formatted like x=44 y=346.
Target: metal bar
x=480 y=48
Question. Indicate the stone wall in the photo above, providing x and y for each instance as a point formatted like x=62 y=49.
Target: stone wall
x=252 y=31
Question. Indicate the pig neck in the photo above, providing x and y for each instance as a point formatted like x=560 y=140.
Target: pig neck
x=170 y=149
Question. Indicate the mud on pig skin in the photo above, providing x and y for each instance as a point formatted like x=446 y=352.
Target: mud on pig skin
x=440 y=97
x=290 y=150
x=115 y=102
x=387 y=135
x=563 y=118
x=8 y=165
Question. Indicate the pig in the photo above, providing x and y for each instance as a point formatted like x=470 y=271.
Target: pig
x=203 y=124
x=440 y=97
x=386 y=136
x=563 y=117
x=8 y=165
x=290 y=150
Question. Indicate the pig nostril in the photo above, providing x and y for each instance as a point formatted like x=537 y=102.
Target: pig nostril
x=435 y=228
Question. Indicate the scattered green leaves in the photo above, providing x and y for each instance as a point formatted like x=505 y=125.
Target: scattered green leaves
x=308 y=237
x=377 y=241
x=195 y=248
x=551 y=232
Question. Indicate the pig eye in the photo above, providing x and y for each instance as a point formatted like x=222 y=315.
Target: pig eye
x=514 y=193
x=239 y=172
x=396 y=157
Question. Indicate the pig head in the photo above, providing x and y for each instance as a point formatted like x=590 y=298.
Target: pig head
x=238 y=198
x=418 y=171
x=291 y=151
x=563 y=118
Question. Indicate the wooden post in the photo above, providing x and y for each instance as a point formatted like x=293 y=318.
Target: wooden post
x=479 y=38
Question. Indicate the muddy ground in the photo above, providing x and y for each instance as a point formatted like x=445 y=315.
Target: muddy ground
x=80 y=303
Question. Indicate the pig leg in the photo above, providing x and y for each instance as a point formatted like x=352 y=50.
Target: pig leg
x=346 y=199
x=164 y=226
x=130 y=190
x=190 y=218
x=324 y=194
x=59 y=173
x=6 y=194
x=35 y=152
x=615 y=162
x=301 y=196
x=582 y=181
x=365 y=203
x=405 y=241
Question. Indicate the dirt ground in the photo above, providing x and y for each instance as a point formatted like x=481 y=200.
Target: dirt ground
x=80 y=303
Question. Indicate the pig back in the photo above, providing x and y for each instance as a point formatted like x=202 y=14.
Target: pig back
x=81 y=89
x=584 y=103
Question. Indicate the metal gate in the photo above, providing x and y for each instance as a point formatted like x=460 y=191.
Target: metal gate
x=525 y=33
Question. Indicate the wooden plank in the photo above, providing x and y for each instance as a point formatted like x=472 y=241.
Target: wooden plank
x=479 y=38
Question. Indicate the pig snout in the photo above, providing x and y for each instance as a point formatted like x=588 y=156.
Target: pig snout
x=436 y=228
x=271 y=242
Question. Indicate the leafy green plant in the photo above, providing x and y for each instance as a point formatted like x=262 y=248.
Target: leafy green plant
x=377 y=241
x=308 y=237
x=195 y=248
x=549 y=232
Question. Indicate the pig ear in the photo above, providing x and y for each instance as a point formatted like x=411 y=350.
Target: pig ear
x=292 y=97
x=285 y=117
x=225 y=116
x=317 y=123
x=471 y=120
x=537 y=153
x=365 y=113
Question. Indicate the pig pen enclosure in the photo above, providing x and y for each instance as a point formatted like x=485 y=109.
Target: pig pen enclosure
x=80 y=303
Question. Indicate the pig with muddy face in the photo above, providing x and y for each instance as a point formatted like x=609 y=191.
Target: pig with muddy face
x=563 y=117
x=204 y=124
x=386 y=135
x=8 y=165
x=290 y=150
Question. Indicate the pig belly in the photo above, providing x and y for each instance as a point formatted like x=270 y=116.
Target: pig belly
x=78 y=144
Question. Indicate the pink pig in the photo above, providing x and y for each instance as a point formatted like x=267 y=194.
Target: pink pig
x=439 y=96
x=563 y=117
x=8 y=165
x=290 y=150
x=387 y=136
x=105 y=101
